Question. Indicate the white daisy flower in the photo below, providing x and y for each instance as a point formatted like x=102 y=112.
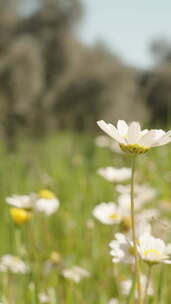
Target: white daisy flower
x=153 y=250
x=132 y=139
x=47 y=206
x=22 y=201
x=75 y=273
x=122 y=246
x=115 y=175
x=122 y=249
x=107 y=213
x=13 y=264
x=46 y=202
x=126 y=286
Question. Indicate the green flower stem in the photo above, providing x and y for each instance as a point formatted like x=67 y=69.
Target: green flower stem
x=32 y=290
x=18 y=242
x=137 y=264
x=147 y=283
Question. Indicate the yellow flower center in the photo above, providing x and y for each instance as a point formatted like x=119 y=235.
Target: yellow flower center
x=136 y=149
x=20 y=216
x=113 y=216
x=146 y=252
x=46 y=194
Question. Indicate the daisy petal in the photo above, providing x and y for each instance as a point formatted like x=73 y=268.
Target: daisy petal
x=111 y=131
x=164 y=141
x=122 y=127
x=148 y=139
x=134 y=133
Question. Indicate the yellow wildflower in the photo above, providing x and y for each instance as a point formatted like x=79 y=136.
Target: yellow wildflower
x=20 y=216
x=46 y=194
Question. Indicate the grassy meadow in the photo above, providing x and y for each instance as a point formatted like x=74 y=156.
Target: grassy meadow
x=67 y=165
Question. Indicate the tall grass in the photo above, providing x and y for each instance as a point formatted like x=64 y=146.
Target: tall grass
x=67 y=165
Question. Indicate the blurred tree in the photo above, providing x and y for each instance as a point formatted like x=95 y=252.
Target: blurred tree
x=156 y=83
x=49 y=80
x=32 y=47
x=161 y=50
x=157 y=93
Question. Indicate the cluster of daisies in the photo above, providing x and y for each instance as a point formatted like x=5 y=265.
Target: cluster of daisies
x=152 y=250
x=11 y=264
x=23 y=209
x=45 y=201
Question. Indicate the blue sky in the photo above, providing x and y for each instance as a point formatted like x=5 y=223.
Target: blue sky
x=127 y=26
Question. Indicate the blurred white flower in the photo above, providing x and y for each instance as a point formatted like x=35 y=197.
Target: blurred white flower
x=124 y=189
x=102 y=141
x=107 y=142
x=107 y=213
x=113 y=301
x=75 y=273
x=13 y=264
x=47 y=206
x=142 y=226
x=124 y=202
x=127 y=284
x=122 y=249
x=22 y=201
x=143 y=193
x=46 y=202
x=153 y=250
x=132 y=139
x=115 y=175
x=148 y=214
x=43 y=297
